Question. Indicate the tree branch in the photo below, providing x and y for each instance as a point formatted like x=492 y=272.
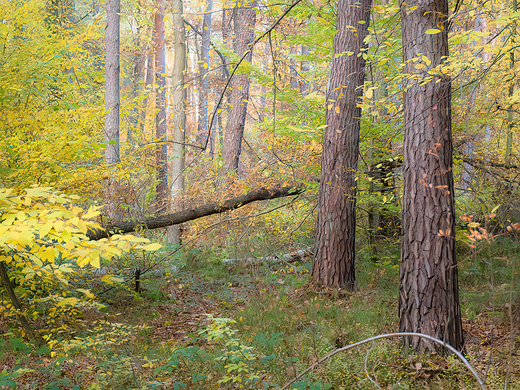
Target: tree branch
x=191 y=214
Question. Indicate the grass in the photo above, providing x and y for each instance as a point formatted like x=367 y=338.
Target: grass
x=282 y=323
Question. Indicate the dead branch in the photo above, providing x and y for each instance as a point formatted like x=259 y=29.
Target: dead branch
x=387 y=335
x=186 y=215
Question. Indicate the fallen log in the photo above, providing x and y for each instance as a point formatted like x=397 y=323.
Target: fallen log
x=186 y=215
x=292 y=257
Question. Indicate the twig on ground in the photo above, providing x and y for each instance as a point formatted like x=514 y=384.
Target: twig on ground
x=386 y=335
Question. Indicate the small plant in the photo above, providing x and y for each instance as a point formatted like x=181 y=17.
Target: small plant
x=236 y=356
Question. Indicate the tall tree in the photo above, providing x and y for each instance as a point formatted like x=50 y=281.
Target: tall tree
x=306 y=66
x=112 y=101
x=202 y=129
x=336 y=223
x=179 y=112
x=428 y=292
x=160 y=101
x=244 y=23
x=510 y=122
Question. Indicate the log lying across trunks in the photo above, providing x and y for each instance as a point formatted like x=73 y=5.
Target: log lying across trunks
x=186 y=215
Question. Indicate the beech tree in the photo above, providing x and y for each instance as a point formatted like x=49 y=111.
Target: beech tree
x=336 y=224
x=428 y=292
x=179 y=112
x=112 y=101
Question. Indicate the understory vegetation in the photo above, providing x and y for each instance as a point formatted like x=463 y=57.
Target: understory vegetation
x=210 y=319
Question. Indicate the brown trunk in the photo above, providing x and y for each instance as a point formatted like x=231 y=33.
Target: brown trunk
x=194 y=213
x=244 y=22
x=160 y=101
x=202 y=130
x=428 y=293
x=336 y=223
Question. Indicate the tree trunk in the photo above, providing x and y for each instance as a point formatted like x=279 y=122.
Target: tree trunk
x=137 y=75
x=160 y=104
x=179 y=113
x=29 y=332
x=306 y=67
x=112 y=102
x=510 y=122
x=244 y=23
x=428 y=292
x=336 y=222
x=202 y=129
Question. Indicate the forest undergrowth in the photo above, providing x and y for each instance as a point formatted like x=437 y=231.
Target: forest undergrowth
x=201 y=323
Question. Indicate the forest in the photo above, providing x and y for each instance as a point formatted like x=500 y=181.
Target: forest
x=208 y=194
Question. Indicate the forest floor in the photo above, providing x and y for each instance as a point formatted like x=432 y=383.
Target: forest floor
x=174 y=334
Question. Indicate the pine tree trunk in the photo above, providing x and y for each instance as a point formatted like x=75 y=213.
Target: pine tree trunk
x=245 y=19
x=428 y=293
x=336 y=223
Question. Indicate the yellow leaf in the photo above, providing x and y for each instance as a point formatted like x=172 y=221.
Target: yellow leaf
x=152 y=247
x=66 y=235
x=94 y=258
x=48 y=255
x=336 y=109
x=432 y=31
x=45 y=229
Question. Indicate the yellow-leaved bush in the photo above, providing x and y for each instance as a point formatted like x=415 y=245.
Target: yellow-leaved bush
x=45 y=248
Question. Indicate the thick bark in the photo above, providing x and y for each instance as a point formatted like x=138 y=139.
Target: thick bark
x=179 y=112
x=202 y=130
x=336 y=222
x=428 y=292
x=160 y=103
x=112 y=102
x=244 y=23
x=191 y=214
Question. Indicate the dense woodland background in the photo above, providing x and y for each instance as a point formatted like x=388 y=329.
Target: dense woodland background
x=297 y=177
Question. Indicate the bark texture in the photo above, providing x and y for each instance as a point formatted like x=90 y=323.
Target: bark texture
x=191 y=214
x=160 y=102
x=112 y=102
x=336 y=223
x=428 y=292
x=202 y=130
x=244 y=23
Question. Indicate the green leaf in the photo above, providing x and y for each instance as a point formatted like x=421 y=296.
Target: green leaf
x=432 y=31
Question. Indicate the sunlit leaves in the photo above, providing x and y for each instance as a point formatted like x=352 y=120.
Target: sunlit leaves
x=43 y=242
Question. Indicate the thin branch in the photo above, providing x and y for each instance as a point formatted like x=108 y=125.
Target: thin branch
x=294 y=4
x=387 y=335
